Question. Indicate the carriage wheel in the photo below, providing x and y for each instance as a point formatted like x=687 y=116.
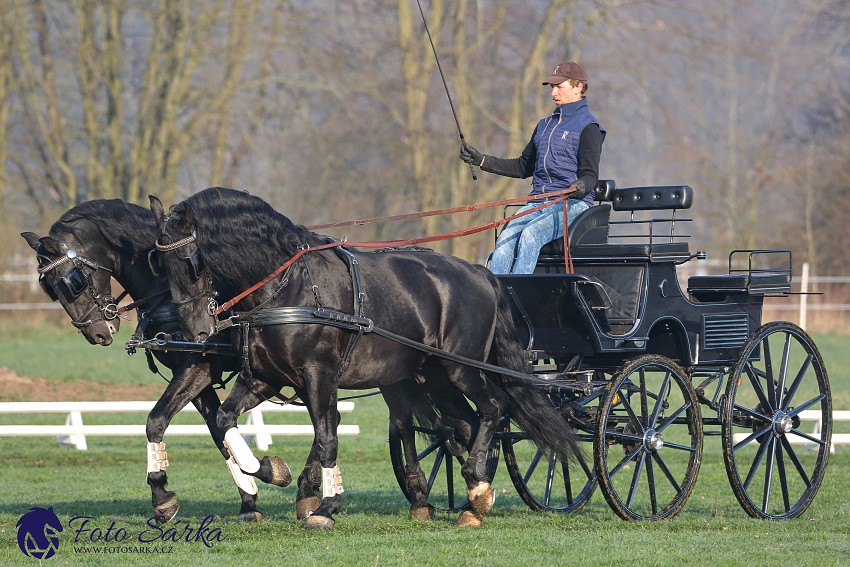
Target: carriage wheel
x=542 y=481
x=446 y=485
x=648 y=443
x=779 y=375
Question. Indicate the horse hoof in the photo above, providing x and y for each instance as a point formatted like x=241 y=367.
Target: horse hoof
x=469 y=519
x=166 y=511
x=482 y=498
x=281 y=475
x=423 y=513
x=317 y=522
x=306 y=506
x=255 y=516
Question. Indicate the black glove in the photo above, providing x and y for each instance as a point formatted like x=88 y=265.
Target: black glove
x=581 y=190
x=470 y=155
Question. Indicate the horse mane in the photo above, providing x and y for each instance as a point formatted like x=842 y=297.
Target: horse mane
x=127 y=227
x=243 y=238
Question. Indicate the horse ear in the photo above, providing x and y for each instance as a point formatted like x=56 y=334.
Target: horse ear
x=156 y=207
x=51 y=245
x=32 y=239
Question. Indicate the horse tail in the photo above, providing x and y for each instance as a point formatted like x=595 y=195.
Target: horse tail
x=529 y=406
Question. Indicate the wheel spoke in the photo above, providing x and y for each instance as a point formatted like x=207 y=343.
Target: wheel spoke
x=629 y=457
x=804 y=369
x=768 y=474
x=550 y=478
x=759 y=391
x=783 y=371
x=644 y=405
x=783 y=479
x=615 y=434
x=532 y=466
x=628 y=407
x=808 y=437
x=667 y=422
x=806 y=405
x=797 y=464
x=650 y=479
x=635 y=480
x=752 y=436
x=429 y=449
x=756 y=462
x=768 y=369
x=663 y=466
x=450 y=482
x=659 y=403
x=568 y=489
x=435 y=468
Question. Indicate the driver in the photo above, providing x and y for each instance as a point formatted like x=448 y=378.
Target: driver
x=564 y=151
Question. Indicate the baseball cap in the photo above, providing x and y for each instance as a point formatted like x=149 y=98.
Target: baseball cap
x=564 y=71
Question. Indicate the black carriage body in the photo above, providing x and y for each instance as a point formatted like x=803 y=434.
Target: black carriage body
x=624 y=298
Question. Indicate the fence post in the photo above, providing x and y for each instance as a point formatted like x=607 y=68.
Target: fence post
x=804 y=287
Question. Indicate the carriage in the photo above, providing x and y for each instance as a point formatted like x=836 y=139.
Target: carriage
x=644 y=370
x=641 y=368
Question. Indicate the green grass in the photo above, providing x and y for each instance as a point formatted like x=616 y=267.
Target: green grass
x=107 y=483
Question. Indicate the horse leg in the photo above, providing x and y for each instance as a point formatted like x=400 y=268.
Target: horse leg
x=402 y=408
x=491 y=403
x=321 y=403
x=207 y=404
x=271 y=470
x=310 y=481
x=188 y=381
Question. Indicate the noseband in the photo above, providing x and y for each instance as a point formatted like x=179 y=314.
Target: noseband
x=107 y=304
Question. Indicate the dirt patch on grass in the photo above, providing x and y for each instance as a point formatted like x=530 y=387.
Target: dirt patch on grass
x=16 y=388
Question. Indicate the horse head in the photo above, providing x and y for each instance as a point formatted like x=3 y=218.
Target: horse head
x=69 y=274
x=179 y=257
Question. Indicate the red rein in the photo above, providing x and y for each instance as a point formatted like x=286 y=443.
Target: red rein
x=560 y=196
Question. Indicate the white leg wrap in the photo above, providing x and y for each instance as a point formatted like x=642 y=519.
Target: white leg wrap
x=331 y=482
x=240 y=451
x=242 y=480
x=157 y=457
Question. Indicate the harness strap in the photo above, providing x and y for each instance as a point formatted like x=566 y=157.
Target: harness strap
x=324 y=316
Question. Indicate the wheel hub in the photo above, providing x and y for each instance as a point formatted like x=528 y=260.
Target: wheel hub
x=653 y=440
x=782 y=422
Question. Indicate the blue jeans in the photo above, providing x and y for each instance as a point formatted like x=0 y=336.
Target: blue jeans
x=519 y=243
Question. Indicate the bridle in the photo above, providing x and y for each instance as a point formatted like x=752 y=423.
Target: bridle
x=196 y=263
x=76 y=281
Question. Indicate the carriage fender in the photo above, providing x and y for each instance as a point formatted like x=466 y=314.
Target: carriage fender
x=669 y=337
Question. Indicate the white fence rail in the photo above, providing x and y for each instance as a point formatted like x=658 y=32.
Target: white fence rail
x=813 y=415
x=74 y=432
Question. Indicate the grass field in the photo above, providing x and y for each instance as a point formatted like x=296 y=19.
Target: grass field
x=107 y=483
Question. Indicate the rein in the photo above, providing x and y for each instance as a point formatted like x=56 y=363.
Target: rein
x=562 y=196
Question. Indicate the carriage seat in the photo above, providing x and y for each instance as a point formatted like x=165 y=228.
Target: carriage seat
x=589 y=227
x=654 y=247
x=660 y=198
x=718 y=287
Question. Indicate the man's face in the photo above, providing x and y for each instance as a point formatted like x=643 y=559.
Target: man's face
x=565 y=92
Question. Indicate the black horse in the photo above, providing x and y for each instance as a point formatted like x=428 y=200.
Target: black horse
x=101 y=239
x=314 y=326
x=86 y=247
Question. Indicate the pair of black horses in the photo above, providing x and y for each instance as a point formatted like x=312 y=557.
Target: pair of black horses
x=308 y=328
